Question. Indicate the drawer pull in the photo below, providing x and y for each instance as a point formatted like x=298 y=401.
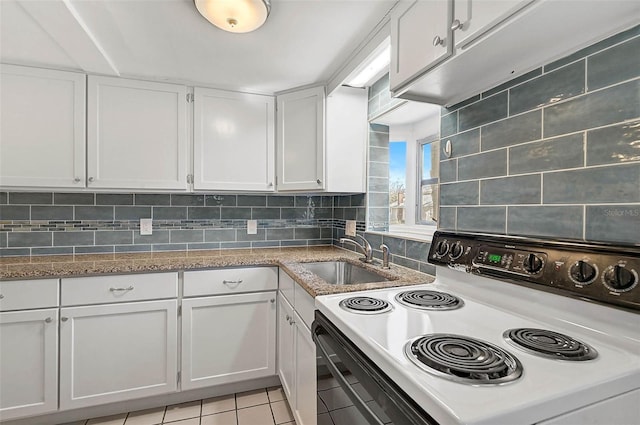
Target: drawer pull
x=1 y=296
x=130 y=288
x=272 y=300
x=48 y=320
x=64 y=319
x=232 y=284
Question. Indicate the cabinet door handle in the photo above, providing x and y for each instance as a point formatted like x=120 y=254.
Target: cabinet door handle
x=236 y=282
x=1 y=296
x=437 y=41
x=456 y=25
x=272 y=300
x=64 y=319
x=319 y=181
x=129 y=288
x=76 y=180
x=287 y=317
x=90 y=179
x=48 y=320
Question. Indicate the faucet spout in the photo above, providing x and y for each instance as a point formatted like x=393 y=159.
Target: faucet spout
x=385 y=256
x=365 y=247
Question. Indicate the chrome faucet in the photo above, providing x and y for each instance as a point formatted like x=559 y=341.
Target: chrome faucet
x=385 y=256
x=365 y=248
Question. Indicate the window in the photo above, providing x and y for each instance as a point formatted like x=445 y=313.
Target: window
x=428 y=186
x=413 y=189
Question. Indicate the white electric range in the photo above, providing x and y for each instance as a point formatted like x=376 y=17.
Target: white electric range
x=483 y=350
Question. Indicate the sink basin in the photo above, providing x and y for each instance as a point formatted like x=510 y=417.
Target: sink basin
x=343 y=273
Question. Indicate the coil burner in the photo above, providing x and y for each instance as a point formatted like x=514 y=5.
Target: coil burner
x=463 y=359
x=429 y=300
x=365 y=305
x=544 y=343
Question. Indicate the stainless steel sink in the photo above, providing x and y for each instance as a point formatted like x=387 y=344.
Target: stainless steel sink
x=343 y=273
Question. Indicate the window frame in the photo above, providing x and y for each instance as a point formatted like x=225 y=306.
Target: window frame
x=420 y=143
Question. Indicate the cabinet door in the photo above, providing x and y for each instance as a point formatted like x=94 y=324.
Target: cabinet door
x=117 y=352
x=233 y=141
x=420 y=39
x=28 y=363
x=305 y=376
x=42 y=128
x=300 y=130
x=137 y=134
x=476 y=17
x=228 y=338
x=286 y=347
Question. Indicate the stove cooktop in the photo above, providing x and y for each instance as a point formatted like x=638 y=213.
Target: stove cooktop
x=544 y=388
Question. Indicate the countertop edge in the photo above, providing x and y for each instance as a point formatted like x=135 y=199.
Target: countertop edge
x=290 y=260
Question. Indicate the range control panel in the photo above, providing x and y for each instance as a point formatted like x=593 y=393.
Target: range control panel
x=606 y=273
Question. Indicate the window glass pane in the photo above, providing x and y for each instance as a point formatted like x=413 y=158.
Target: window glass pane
x=430 y=158
x=397 y=181
x=429 y=203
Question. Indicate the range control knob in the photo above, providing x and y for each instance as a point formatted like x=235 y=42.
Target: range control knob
x=442 y=248
x=619 y=279
x=456 y=250
x=532 y=263
x=583 y=272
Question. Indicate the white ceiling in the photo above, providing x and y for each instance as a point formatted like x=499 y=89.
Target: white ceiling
x=303 y=41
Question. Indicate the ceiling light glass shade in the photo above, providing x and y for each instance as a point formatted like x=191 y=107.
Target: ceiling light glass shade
x=238 y=16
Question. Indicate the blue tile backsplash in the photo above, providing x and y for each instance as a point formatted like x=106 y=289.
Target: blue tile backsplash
x=569 y=143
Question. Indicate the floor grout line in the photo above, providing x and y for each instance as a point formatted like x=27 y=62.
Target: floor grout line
x=236 y=410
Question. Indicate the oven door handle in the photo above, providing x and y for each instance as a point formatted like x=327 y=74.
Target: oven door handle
x=364 y=409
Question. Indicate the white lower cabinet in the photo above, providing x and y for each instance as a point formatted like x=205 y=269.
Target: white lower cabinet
x=124 y=346
x=117 y=352
x=297 y=353
x=231 y=335
x=28 y=363
x=286 y=347
x=305 y=375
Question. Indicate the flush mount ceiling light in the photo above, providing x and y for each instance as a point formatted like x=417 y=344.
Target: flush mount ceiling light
x=237 y=16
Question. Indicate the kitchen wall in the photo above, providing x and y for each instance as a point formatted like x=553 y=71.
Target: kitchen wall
x=555 y=152
x=80 y=223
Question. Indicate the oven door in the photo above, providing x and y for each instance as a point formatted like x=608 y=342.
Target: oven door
x=352 y=390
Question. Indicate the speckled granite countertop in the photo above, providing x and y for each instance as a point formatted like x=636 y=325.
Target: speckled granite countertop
x=291 y=260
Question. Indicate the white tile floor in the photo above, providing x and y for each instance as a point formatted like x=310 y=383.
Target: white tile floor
x=266 y=406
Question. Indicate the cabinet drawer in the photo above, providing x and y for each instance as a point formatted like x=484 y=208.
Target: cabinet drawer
x=286 y=286
x=122 y=288
x=230 y=281
x=305 y=305
x=27 y=294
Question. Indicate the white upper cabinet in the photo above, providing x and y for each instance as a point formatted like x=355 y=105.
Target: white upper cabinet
x=491 y=41
x=346 y=141
x=473 y=18
x=421 y=38
x=42 y=128
x=233 y=140
x=300 y=140
x=137 y=134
